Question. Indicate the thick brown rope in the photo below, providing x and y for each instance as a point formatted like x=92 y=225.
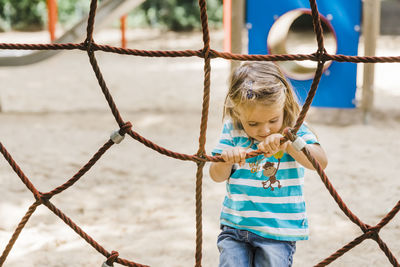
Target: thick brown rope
x=386 y=250
x=42 y=46
x=344 y=249
x=199 y=219
x=19 y=172
x=310 y=97
x=321 y=56
x=203 y=129
x=85 y=236
x=207 y=75
x=112 y=258
x=317 y=25
x=81 y=172
x=17 y=231
x=199 y=53
x=389 y=216
x=329 y=186
x=91 y=18
x=104 y=88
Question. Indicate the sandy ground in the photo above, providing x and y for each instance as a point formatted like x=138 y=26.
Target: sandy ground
x=141 y=203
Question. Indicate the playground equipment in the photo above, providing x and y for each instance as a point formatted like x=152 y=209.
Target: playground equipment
x=107 y=11
x=53 y=17
x=233 y=24
x=269 y=32
x=200 y=158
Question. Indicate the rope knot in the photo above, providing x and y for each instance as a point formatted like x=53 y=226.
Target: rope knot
x=125 y=128
x=88 y=44
x=289 y=135
x=111 y=259
x=205 y=53
x=374 y=230
x=43 y=197
x=321 y=54
x=375 y=234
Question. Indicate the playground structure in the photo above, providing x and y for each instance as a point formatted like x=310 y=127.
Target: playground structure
x=268 y=29
x=273 y=31
x=53 y=18
x=107 y=11
x=200 y=157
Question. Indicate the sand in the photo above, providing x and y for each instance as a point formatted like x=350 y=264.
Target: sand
x=141 y=203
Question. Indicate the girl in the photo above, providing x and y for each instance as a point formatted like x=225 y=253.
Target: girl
x=263 y=213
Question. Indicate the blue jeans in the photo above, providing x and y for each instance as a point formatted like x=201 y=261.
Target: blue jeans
x=241 y=248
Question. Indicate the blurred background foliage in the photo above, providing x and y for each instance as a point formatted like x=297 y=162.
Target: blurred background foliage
x=176 y=15
x=22 y=14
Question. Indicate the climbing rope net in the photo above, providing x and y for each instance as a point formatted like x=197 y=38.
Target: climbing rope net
x=200 y=158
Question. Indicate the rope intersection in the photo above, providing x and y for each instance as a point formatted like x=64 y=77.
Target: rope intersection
x=200 y=158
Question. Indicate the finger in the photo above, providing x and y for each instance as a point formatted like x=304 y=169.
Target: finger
x=231 y=157
x=268 y=148
x=284 y=146
x=242 y=158
x=282 y=139
x=277 y=143
x=273 y=146
x=236 y=155
x=224 y=156
x=262 y=147
x=243 y=154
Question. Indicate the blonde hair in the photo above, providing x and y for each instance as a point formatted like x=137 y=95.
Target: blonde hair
x=260 y=82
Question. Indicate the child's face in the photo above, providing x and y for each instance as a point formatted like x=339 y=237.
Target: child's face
x=259 y=121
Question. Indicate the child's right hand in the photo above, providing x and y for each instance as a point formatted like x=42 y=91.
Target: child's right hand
x=235 y=155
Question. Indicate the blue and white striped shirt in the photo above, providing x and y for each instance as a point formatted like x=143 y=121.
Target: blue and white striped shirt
x=278 y=214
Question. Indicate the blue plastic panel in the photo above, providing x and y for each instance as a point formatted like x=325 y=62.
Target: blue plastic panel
x=339 y=87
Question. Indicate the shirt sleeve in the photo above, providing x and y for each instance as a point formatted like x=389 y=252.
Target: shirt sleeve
x=225 y=140
x=307 y=135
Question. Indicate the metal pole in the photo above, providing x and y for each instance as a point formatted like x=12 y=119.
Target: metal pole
x=370 y=29
x=52 y=18
x=123 y=31
x=237 y=22
x=227 y=18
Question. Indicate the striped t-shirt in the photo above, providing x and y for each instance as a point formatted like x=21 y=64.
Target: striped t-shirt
x=277 y=214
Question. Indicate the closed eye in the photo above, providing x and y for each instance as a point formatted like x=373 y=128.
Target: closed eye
x=274 y=120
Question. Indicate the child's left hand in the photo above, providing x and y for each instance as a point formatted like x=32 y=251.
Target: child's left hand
x=272 y=144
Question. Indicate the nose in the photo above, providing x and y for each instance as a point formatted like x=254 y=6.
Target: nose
x=264 y=130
